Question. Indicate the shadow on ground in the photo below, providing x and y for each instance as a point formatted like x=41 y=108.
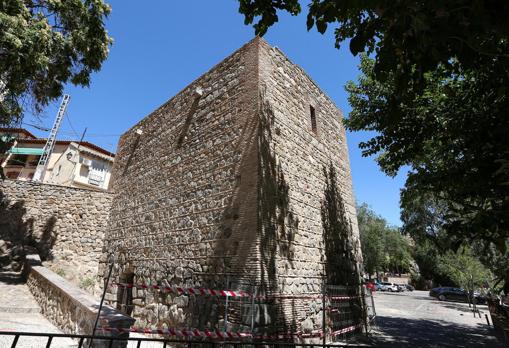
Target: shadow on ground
x=10 y=278
x=404 y=332
x=463 y=307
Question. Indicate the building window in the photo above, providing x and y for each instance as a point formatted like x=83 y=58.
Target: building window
x=18 y=160
x=312 y=115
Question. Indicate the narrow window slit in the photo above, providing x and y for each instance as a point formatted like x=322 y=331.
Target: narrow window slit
x=313 y=119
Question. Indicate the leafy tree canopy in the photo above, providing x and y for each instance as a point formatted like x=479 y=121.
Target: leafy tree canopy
x=408 y=37
x=384 y=248
x=453 y=137
x=43 y=45
x=464 y=268
x=425 y=219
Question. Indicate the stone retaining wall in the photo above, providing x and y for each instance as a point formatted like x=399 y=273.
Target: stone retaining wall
x=69 y=308
x=64 y=225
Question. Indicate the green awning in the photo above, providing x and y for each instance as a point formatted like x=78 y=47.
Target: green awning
x=25 y=151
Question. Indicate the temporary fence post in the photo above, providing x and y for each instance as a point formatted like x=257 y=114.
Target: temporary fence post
x=324 y=330
x=226 y=305
x=106 y=282
x=50 y=339
x=364 y=293
x=252 y=307
x=15 y=341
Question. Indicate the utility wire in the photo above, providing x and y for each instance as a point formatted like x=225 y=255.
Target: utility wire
x=70 y=133
x=70 y=124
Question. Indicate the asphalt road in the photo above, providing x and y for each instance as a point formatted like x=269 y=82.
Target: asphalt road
x=413 y=319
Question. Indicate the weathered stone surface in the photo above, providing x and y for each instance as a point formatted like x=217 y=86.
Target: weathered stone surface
x=225 y=189
x=64 y=225
x=71 y=309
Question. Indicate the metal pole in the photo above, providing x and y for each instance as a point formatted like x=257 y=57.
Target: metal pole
x=106 y=282
x=324 y=291
x=226 y=305
x=252 y=307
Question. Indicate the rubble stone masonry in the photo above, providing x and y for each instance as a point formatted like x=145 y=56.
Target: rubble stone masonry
x=64 y=225
x=223 y=186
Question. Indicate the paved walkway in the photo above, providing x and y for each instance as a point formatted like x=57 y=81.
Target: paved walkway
x=19 y=312
x=413 y=319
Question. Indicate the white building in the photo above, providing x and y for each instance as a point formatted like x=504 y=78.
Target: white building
x=72 y=163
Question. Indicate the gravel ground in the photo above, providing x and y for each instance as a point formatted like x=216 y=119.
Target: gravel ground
x=413 y=319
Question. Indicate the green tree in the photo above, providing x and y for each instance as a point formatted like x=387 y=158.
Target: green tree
x=409 y=38
x=464 y=268
x=424 y=217
x=371 y=229
x=452 y=139
x=43 y=45
x=397 y=251
x=496 y=261
x=384 y=248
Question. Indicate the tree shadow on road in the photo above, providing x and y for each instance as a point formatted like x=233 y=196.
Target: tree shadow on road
x=405 y=332
x=463 y=307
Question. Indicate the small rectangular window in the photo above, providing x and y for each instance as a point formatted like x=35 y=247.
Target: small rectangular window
x=313 y=118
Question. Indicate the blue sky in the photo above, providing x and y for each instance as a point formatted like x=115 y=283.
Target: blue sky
x=161 y=46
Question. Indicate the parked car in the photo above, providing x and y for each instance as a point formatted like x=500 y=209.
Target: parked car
x=371 y=286
x=454 y=294
x=401 y=287
x=389 y=287
x=378 y=286
x=409 y=287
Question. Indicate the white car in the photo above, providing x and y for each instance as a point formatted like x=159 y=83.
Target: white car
x=389 y=287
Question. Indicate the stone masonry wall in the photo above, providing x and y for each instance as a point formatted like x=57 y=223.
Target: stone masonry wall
x=300 y=155
x=227 y=189
x=64 y=225
x=185 y=206
x=71 y=309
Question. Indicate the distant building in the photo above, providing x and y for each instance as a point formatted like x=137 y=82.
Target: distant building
x=72 y=163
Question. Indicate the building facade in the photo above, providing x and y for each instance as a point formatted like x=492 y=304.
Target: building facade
x=234 y=183
x=72 y=163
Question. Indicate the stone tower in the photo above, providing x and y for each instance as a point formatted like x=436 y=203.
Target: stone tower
x=226 y=185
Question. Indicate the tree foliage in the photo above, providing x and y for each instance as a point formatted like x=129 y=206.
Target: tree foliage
x=43 y=45
x=409 y=38
x=384 y=248
x=453 y=137
x=424 y=220
x=464 y=268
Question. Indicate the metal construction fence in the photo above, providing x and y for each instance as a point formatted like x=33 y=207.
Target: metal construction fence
x=48 y=340
x=324 y=313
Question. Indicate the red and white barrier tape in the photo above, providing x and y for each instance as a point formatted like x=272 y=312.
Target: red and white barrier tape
x=180 y=332
x=185 y=291
x=228 y=293
x=346 y=329
x=217 y=334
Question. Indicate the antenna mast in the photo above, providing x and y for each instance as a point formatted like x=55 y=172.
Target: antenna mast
x=50 y=143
